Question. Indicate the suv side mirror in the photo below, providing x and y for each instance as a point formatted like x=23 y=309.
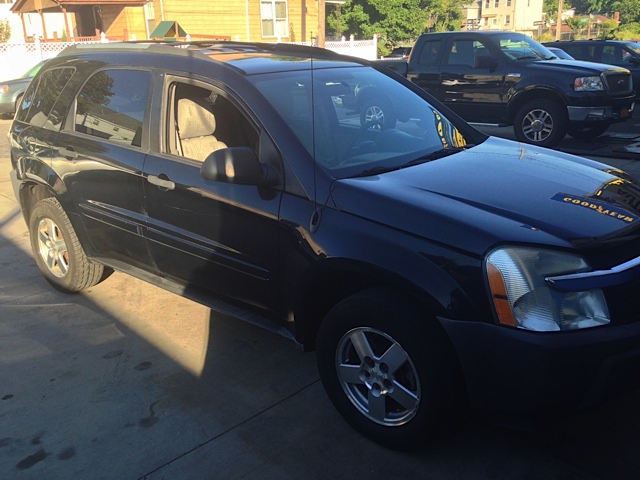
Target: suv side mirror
x=237 y=165
x=486 y=61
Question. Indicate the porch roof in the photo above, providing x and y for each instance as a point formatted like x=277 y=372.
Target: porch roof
x=28 y=6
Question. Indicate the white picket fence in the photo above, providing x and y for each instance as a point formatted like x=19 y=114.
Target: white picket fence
x=17 y=58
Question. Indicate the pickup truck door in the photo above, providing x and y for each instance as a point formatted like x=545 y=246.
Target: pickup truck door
x=472 y=79
x=424 y=66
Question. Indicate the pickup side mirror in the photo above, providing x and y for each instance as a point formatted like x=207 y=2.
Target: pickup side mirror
x=237 y=165
x=486 y=61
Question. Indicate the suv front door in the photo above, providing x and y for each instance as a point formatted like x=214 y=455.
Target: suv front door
x=212 y=237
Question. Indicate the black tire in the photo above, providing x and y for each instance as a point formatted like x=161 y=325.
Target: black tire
x=541 y=122
x=585 y=133
x=57 y=250
x=408 y=371
x=377 y=111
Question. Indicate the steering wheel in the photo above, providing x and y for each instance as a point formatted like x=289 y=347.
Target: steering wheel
x=372 y=124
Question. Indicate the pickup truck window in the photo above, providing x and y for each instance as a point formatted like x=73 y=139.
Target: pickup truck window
x=465 y=52
x=521 y=47
x=429 y=52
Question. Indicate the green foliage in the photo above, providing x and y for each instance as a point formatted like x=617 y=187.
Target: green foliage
x=575 y=23
x=395 y=22
x=5 y=31
x=630 y=31
x=629 y=10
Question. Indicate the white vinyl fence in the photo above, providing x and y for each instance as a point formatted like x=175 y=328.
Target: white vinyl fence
x=17 y=58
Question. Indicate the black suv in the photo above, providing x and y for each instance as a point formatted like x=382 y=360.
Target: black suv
x=429 y=265
x=612 y=52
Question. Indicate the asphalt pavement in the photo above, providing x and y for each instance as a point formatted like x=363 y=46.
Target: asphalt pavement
x=127 y=381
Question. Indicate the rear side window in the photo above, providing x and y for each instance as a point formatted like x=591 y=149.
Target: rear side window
x=112 y=104
x=42 y=95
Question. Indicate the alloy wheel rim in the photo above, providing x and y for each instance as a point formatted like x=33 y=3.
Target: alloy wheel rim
x=52 y=247
x=537 y=125
x=378 y=376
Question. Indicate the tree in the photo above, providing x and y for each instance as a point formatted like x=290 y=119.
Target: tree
x=395 y=22
x=5 y=30
x=629 y=10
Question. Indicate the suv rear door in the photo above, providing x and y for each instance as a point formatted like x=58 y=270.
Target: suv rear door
x=100 y=155
x=214 y=237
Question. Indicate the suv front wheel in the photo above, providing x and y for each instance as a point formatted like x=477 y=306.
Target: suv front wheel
x=541 y=122
x=386 y=368
x=57 y=250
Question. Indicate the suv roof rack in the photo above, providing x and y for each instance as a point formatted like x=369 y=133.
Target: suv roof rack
x=160 y=46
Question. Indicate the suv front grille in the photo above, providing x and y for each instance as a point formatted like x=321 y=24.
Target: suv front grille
x=618 y=82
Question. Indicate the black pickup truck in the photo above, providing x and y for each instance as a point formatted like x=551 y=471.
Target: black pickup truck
x=506 y=78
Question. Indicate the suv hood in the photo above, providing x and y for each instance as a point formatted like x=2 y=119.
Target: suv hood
x=498 y=191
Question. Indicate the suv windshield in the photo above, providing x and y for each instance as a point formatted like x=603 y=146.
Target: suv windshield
x=517 y=46
x=354 y=120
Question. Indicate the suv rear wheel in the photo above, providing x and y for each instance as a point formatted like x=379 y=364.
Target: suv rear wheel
x=386 y=368
x=541 y=122
x=57 y=250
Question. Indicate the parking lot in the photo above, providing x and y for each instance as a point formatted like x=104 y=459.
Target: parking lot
x=127 y=381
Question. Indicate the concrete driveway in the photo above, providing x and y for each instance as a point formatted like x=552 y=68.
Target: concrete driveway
x=127 y=381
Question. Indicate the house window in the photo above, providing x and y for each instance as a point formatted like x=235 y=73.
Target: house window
x=495 y=21
x=508 y=3
x=151 y=16
x=507 y=19
x=273 y=14
x=496 y=3
x=486 y=4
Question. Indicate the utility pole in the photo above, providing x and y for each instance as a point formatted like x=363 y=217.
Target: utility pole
x=321 y=20
x=559 y=21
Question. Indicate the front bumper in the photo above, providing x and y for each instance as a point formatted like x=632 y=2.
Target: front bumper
x=509 y=370
x=600 y=114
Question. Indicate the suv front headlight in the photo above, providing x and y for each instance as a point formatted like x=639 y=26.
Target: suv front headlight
x=588 y=84
x=523 y=299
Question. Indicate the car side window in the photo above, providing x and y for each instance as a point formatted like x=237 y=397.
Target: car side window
x=461 y=53
x=429 y=52
x=112 y=104
x=42 y=95
x=201 y=119
x=466 y=52
x=612 y=55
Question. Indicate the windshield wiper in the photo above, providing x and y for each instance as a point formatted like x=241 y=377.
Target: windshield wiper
x=528 y=57
x=445 y=152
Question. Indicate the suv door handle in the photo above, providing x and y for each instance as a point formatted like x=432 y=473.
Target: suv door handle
x=160 y=182
x=68 y=152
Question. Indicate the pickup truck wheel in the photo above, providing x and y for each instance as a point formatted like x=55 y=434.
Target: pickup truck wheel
x=57 y=250
x=540 y=122
x=584 y=133
x=386 y=368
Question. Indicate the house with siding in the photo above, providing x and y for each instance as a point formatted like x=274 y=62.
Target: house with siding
x=242 y=20
x=513 y=15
